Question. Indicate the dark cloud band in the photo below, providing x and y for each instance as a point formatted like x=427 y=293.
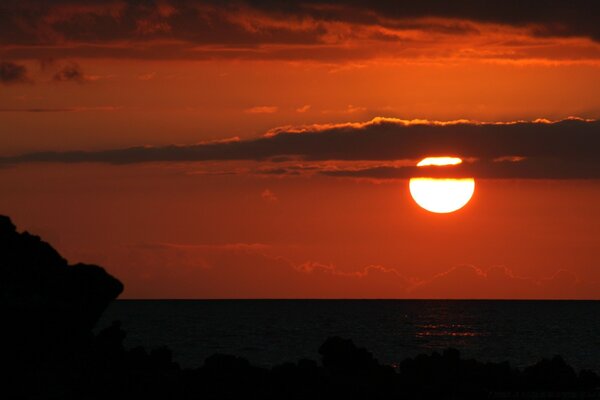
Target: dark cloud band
x=178 y=28
x=13 y=73
x=556 y=150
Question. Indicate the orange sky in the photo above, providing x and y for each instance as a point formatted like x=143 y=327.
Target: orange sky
x=99 y=76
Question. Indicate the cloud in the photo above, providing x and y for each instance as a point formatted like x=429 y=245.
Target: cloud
x=147 y=76
x=554 y=17
x=321 y=30
x=261 y=110
x=53 y=110
x=350 y=109
x=241 y=270
x=501 y=283
x=539 y=149
x=35 y=110
x=13 y=73
x=252 y=270
x=303 y=109
x=71 y=72
x=527 y=168
x=268 y=196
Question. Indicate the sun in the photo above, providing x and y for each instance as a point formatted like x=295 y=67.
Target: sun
x=441 y=195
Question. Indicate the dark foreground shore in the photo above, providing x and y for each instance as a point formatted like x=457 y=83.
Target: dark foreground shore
x=49 y=351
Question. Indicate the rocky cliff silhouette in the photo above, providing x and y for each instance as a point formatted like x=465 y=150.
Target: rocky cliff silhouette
x=48 y=310
x=48 y=351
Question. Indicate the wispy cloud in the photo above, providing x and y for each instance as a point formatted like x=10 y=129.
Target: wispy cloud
x=231 y=270
x=261 y=110
x=147 y=76
x=54 y=110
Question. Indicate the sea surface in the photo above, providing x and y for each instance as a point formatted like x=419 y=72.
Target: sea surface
x=268 y=332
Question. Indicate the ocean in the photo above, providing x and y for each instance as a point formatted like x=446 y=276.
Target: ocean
x=268 y=332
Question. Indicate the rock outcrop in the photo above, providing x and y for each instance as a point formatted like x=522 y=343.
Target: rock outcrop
x=48 y=310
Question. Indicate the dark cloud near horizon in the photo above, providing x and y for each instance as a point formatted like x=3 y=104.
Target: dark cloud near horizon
x=558 y=150
x=13 y=73
x=71 y=72
x=68 y=28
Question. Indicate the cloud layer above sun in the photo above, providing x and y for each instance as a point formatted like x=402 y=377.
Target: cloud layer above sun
x=531 y=150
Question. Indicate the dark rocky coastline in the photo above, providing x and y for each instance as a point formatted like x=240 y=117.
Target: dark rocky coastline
x=49 y=351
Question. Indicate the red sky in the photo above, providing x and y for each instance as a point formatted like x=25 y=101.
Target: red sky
x=319 y=207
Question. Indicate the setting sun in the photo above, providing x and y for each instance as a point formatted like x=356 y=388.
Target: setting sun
x=439 y=161
x=441 y=195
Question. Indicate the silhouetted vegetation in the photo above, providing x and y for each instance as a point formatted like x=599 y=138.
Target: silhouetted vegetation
x=49 y=352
